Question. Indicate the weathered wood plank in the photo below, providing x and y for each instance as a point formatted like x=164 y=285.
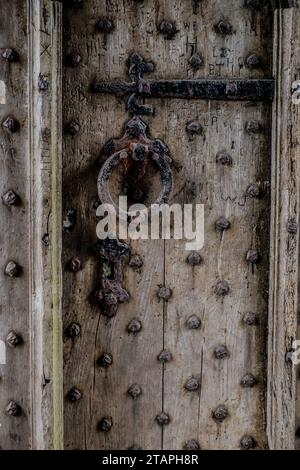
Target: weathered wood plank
x=284 y=255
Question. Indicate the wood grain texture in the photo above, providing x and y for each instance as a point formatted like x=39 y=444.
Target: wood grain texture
x=197 y=179
x=284 y=293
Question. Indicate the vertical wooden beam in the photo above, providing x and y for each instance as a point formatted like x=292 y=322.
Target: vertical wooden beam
x=284 y=254
x=56 y=219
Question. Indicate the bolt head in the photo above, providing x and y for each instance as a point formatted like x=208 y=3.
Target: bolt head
x=253 y=61
x=43 y=83
x=192 y=384
x=231 y=89
x=13 y=339
x=249 y=381
x=11 y=124
x=105 y=424
x=254 y=191
x=193 y=323
x=168 y=29
x=136 y=262
x=196 y=61
x=194 y=128
x=222 y=224
x=292 y=227
x=223 y=158
x=192 y=444
x=73 y=127
x=222 y=288
x=134 y=391
x=73 y=330
x=75 y=265
x=13 y=409
x=10 y=198
x=134 y=326
x=10 y=55
x=253 y=257
x=220 y=413
x=164 y=356
x=253 y=127
x=12 y=269
x=105 y=361
x=247 y=443
x=162 y=419
x=74 y=394
x=164 y=293
x=194 y=259
x=105 y=25
x=250 y=319
x=73 y=59
x=221 y=352
x=223 y=27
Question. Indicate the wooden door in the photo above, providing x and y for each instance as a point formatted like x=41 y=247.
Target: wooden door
x=199 y=356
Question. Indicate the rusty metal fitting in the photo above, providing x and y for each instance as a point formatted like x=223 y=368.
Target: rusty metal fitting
x=73 y=330
x=73 y=127
x=13 y=409
x=134 y=326
x=193 y=323
x=10 y=198
x=249 y=381
x=105 y=25
x=196 y=61
x=74 y=394
x=75 y=265
x=163 y=419
x=255 y=190
x=105 y=361
x=222 y=224
x=220 y=413
x=192 y=444
x=224 y=158
x=105 y=424
x=253 y=127
x=223 y=27
x=221 y=352
x=247 y=443
x=164 y=293
x=73 y=59
x=253 y=61
x=292 y=227
x=13 y=339
x=253 y=257
x=10 y=55
x=192 y=384
x=194 y=128
x=250 y=319
x=168 y=29
x=134 y=391
x=43 y=82
x=164 y=356
x=136 y=262
x=222 y=288
x=194 y=259
x=12 y=269
x=11 y=124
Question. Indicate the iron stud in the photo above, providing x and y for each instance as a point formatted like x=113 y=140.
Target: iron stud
x=193 y=323
x=220 y=413
x=10 y=198
x=134 y=391
x=13 y=339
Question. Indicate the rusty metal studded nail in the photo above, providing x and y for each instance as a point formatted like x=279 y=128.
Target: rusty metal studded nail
x=12 y=269
x=164 y=356
x=196 y=61
x=231 y=89
x=136 y=262
x=75 y=265
x=105 y=424
x=194 y=128
x=70 y=220
x=250 y=319
x=289 y=356
x=11 y=124
x=254 y=4
x=222 y=224
x=292 y=227
x=194 y=259
x=168 y=29
x=162 y=419
x=224 y=158
x=13 y=409
x=105 y=25
x=43 y=83
x=253 y=127
x=193 y=323
x=74 y=394
x=253 y=61
x=164 y=293
x=106 y=360
x=221 y=352
x=254 y=190
x=192 y=444
x=134 y=326
x=134 y=391
x=220 y=413
x=249 y=381
x=73 y=59
x=10 y=55
x=222 y=288
x=73 y=330
x=253 y=257
x=247 y=443
x=192 y=384
x=10 y=198
x=13 y=339
x=223 y=27
x=73 y=127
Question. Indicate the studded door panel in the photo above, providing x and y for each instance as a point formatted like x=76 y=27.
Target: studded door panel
x=182 y=367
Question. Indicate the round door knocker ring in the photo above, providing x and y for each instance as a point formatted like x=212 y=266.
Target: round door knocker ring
x=114 y=160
